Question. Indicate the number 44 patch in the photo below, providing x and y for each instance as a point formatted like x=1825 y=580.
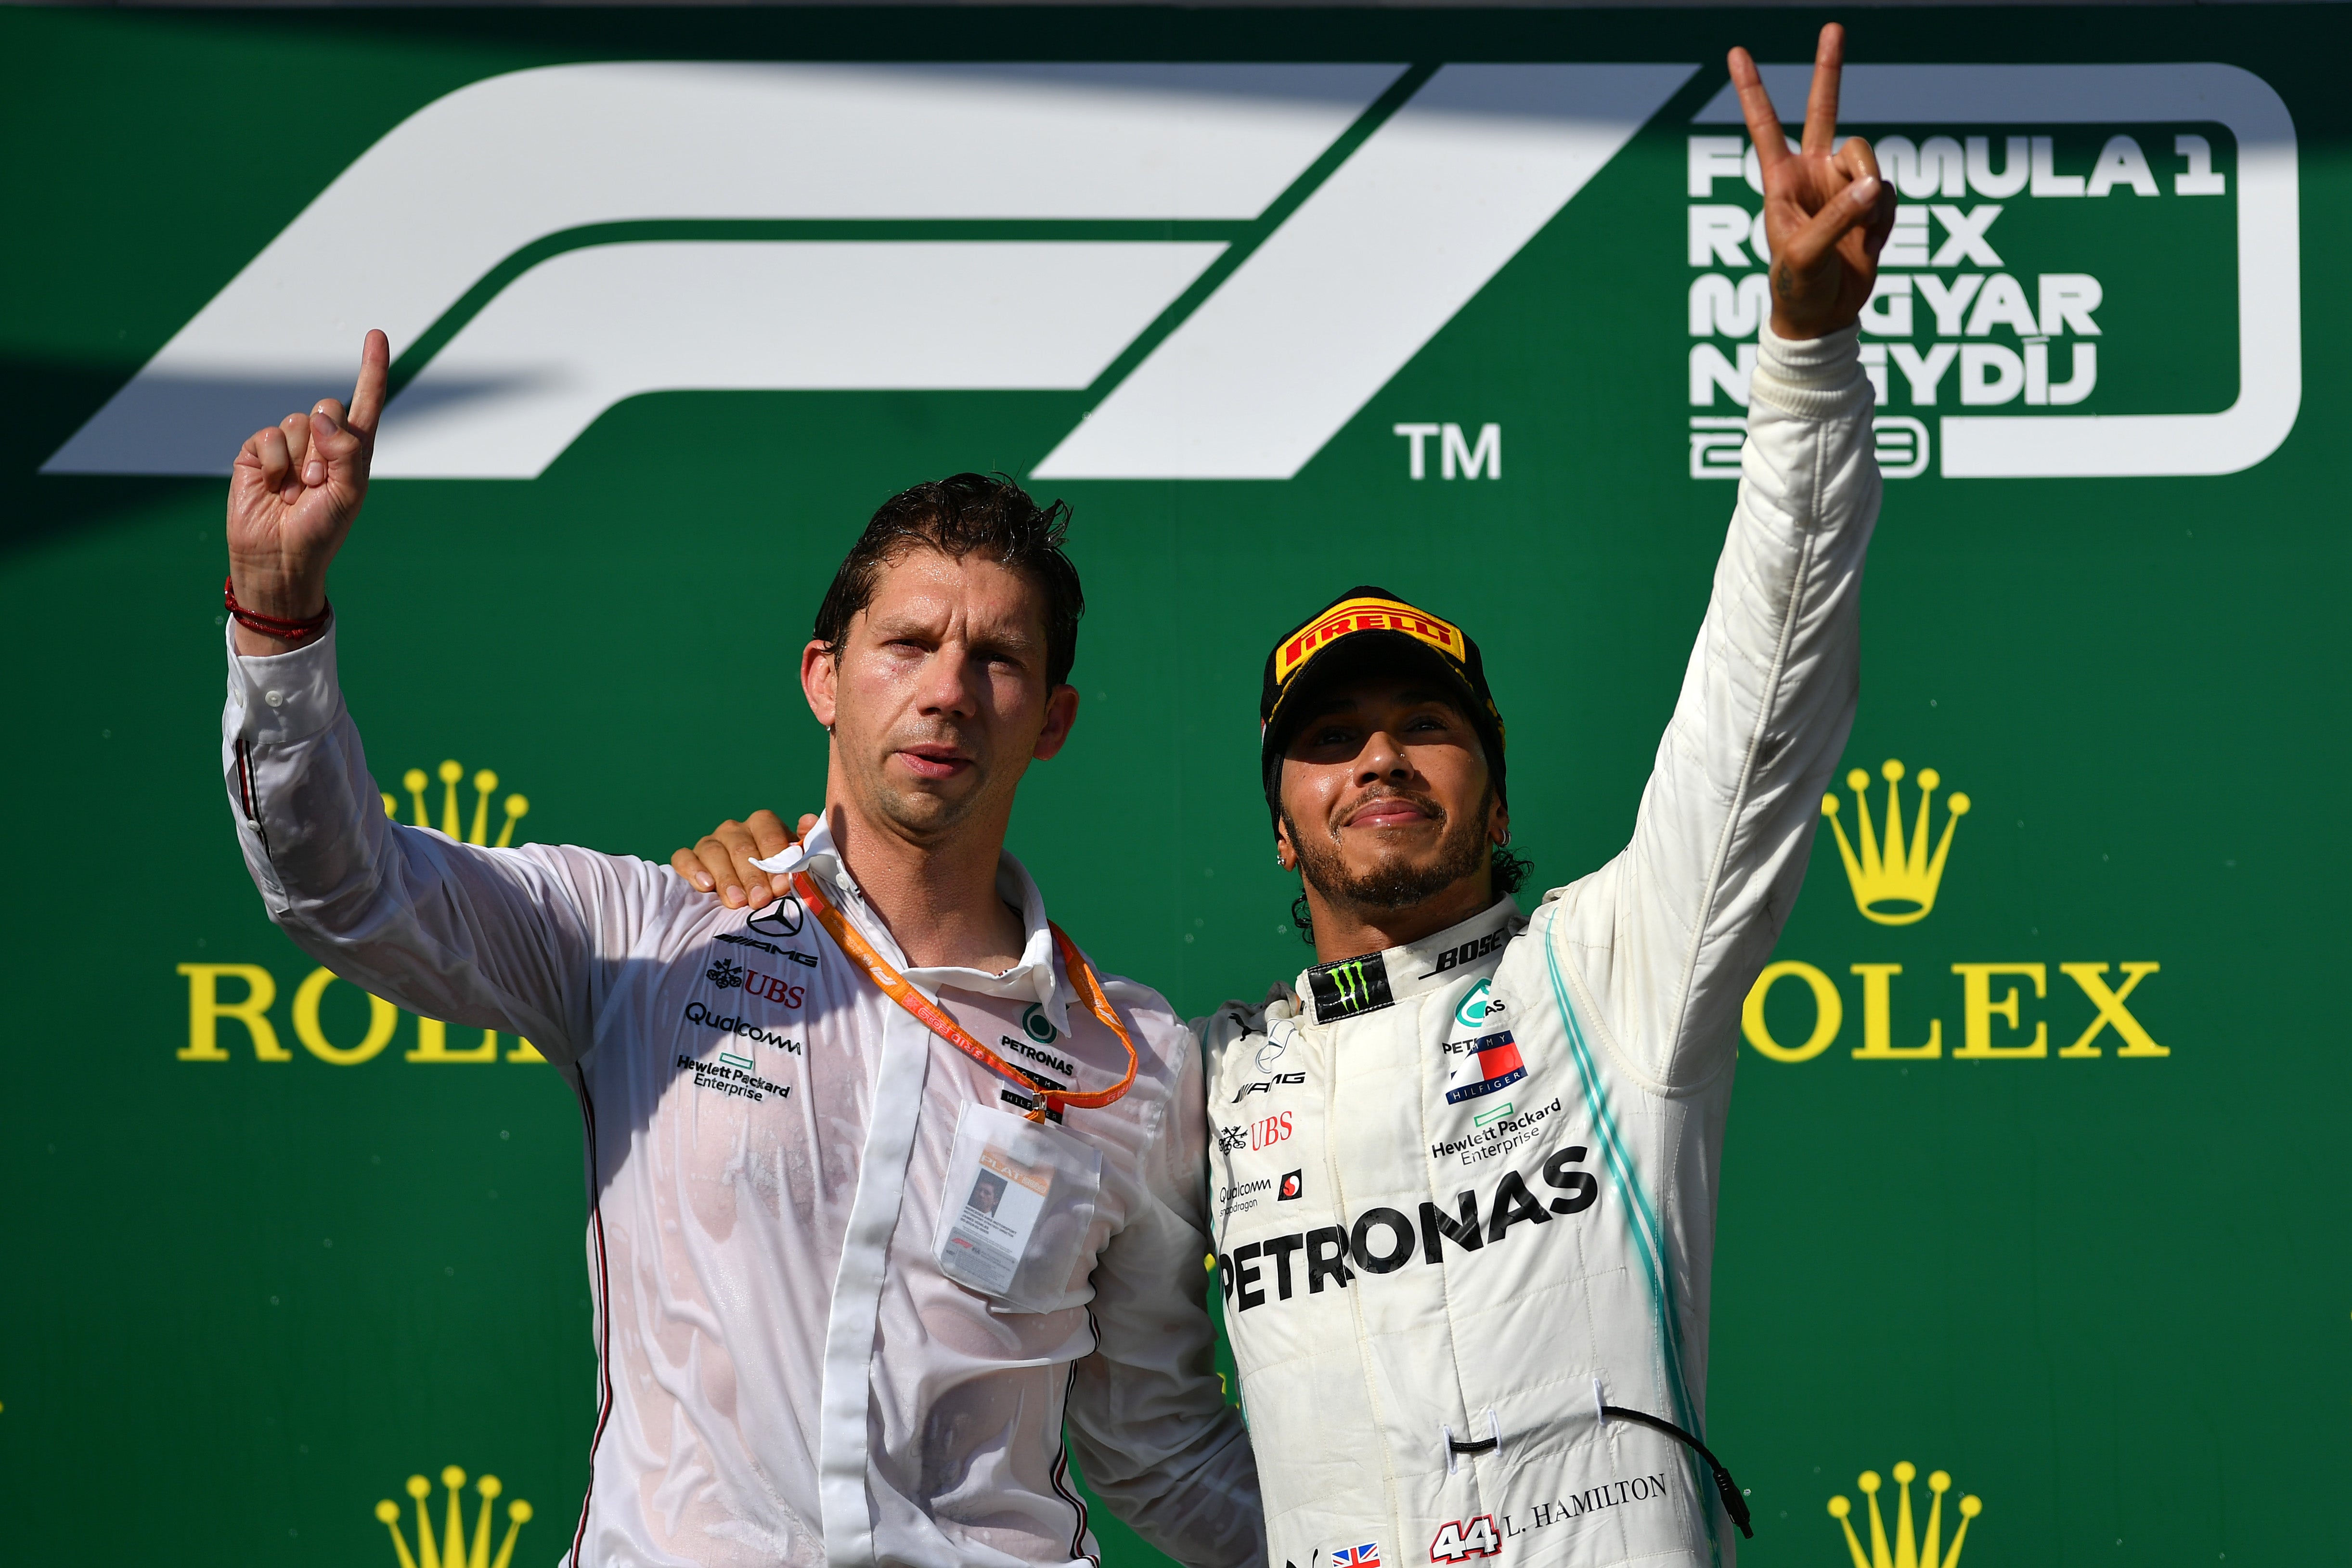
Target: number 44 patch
x=1465 y=1537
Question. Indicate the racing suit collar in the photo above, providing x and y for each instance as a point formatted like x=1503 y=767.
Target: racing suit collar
x=1031 y=980
x=1354 y=986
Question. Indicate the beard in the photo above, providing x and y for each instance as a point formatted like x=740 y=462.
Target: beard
x=1396 y=881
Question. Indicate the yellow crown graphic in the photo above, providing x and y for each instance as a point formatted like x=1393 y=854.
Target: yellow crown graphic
x=1905 y=1553
x=452 y=1553
x=451 y=823
x=1893 y=885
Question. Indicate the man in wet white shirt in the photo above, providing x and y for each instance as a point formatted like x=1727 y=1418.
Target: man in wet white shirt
x=889 y=1188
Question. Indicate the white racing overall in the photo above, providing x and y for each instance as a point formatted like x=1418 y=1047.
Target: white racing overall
x=1464 y=1190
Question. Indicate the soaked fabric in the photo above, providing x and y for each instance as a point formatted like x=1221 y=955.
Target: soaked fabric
x=786 y=1376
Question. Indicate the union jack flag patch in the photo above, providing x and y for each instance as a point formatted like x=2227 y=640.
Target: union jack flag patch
x=1368 y=1555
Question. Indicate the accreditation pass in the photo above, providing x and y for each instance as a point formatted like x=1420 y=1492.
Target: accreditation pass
x=987 y=1236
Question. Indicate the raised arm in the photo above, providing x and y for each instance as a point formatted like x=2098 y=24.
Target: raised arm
x=501 y=939
x=293 y=495
x=1671 y=934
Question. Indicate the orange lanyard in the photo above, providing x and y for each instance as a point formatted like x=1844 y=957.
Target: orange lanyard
x=895 y=986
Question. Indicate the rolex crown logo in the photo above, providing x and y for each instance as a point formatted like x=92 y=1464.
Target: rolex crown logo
x=1893 y=881
x=1908 y=1553
x=453 y=821
x=453 y=1552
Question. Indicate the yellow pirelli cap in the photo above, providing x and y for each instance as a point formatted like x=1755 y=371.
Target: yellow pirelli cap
x=1367 y=629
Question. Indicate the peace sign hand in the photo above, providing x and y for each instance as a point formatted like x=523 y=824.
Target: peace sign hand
x=1826 y=214
x=293 y=496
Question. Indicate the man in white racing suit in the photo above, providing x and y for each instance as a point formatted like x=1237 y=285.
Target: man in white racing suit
x=797 y=1366
x=1465 y=1169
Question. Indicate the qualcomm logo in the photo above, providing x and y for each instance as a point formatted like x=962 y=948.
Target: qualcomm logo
x=1232 y=260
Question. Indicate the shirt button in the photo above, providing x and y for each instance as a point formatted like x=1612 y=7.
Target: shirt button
x=274 y=697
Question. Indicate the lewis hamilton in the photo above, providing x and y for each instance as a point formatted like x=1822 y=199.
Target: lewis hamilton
x=1464 y=1170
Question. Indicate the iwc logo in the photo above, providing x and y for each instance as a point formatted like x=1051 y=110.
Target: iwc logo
x=1924 y=1551
x=452 y=1551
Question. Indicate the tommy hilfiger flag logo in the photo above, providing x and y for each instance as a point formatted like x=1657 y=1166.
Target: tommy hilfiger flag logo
x=1368 y=1555
x=1485 y=1065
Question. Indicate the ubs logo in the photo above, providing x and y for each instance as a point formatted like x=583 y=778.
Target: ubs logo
x=728 y=974
x=774 y=989
x=1267 y=1133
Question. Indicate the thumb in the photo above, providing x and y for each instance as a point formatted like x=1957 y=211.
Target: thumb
x=1850 y=207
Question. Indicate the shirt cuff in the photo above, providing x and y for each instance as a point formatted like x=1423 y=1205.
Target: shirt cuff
x=1812 y=378
x=277 y=699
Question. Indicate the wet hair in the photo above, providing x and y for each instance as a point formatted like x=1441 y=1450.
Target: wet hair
x=965 y=514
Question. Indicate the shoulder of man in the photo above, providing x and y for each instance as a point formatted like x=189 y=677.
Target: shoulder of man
x=1234 y=1022
x=1160 y=1025
x=627 y=900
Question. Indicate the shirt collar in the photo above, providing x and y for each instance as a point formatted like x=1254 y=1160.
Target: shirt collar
x=1355 y=986
x=1032 y=979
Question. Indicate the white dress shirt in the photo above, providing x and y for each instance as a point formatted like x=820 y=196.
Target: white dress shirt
x=787 y=1376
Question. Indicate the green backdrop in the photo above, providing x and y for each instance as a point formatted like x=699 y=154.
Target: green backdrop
x=2103 y=1283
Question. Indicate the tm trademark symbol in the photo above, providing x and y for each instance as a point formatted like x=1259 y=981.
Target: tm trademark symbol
x=1457 y=459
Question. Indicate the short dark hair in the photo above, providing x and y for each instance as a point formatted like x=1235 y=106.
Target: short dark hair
x=966 y=514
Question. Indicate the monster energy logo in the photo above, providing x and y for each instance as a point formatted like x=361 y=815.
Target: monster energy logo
x=1350 y=988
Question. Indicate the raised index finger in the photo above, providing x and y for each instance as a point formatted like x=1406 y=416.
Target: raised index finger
x=1756 y=106
x=375 y=369
x=1821 y=102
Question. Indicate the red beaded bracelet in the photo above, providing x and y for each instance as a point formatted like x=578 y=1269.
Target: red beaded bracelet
x=295 y=632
